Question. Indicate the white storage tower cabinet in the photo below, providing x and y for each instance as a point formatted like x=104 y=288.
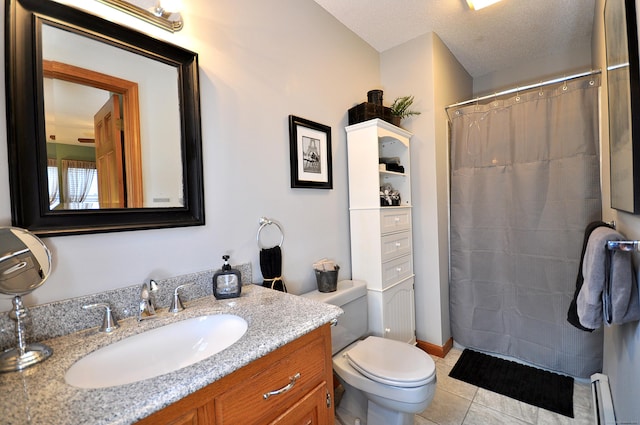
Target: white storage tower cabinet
x=381 y=247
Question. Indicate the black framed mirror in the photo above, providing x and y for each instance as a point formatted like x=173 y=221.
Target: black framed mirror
x=623 y=83
x=103 y=124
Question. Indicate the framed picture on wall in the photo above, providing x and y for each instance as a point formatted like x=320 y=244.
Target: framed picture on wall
x=310 y=152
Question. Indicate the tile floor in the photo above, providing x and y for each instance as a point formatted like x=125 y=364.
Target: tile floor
x=459 y=403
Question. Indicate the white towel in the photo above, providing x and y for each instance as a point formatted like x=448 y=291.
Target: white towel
x=608 y=277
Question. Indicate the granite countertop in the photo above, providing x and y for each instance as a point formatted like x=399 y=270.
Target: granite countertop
x=39 y=395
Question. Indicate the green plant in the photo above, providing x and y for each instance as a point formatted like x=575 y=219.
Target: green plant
x=400 y=107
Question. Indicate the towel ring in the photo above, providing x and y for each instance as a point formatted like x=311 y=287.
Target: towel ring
x=264 y=221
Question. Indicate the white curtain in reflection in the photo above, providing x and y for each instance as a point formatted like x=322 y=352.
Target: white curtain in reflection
x=52 y=181
x=77 y=179
x=524 y=185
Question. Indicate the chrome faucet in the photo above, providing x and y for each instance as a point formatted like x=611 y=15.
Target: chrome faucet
x=146 y=309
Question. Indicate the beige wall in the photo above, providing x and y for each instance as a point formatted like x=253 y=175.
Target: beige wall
x=425 y=68
x=259 y=62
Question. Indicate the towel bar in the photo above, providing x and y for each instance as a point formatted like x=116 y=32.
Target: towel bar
x=623 y=245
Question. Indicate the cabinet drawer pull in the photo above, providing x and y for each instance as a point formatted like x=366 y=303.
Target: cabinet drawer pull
x=14 y=268
x=292 y=382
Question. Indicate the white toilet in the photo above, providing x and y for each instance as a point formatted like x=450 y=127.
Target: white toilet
x=386 y=382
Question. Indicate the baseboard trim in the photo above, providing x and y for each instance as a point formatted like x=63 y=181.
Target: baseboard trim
x=436 y=350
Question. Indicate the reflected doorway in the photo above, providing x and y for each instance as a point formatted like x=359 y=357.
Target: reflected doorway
x=110 y=133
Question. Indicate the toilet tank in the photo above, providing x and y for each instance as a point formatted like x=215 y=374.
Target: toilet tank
x=351 y=297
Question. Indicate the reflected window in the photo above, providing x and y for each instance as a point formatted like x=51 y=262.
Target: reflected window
x=54 y=187
x=80 y=185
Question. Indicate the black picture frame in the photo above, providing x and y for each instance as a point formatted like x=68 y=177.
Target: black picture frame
x=310 y=153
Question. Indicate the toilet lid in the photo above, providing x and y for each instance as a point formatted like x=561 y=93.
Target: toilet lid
x=391 y=362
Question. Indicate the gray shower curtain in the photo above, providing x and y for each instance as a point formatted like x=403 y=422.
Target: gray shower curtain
x=524 y=185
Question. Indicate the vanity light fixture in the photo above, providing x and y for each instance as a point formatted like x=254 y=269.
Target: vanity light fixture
x=479 y=4
x=164 y=14
x=165 y=8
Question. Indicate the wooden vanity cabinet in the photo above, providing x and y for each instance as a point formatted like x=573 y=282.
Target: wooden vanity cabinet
x=298 y=376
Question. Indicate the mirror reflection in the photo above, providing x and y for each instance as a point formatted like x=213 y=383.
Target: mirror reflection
x=622 y=84
x=113 y=132
x=619 y=107
x=25 y=261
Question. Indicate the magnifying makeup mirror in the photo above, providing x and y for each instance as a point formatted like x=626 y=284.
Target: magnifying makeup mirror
x=25 y=263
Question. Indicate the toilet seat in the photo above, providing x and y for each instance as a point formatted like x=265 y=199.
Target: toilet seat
x=391 y=362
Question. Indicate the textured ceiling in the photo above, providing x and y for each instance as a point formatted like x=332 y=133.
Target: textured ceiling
x=483 y=41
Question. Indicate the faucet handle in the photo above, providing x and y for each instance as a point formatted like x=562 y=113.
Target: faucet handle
x=176 y=302
x=109 y=323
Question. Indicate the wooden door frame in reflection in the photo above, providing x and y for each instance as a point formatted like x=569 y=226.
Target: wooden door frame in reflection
x=130 y=116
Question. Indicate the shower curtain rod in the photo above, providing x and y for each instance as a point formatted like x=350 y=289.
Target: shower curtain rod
x=529 y=87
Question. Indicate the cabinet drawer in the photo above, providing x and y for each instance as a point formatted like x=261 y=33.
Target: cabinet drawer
x=394 y=220
x=396 y=270
x=311 y=410
x=245 y=402
x=396 y=245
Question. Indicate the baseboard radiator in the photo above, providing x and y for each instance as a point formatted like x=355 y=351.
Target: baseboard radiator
x=603 y=412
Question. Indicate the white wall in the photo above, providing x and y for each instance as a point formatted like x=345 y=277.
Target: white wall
x=547 y=67
x=452 y=82
x=259 y=62
x=425 y=68
x=621 y=343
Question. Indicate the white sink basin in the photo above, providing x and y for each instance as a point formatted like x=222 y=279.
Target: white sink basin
x=157 y=351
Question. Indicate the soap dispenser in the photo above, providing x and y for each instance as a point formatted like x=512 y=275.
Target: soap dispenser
x=227 y=282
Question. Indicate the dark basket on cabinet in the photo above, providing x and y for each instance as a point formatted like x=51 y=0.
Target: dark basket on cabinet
x=385 y=203
x=367 y=111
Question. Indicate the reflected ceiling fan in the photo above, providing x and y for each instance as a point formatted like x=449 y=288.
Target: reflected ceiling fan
x=80 y=139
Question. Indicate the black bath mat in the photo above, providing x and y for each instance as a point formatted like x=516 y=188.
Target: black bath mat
x=530 y=385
